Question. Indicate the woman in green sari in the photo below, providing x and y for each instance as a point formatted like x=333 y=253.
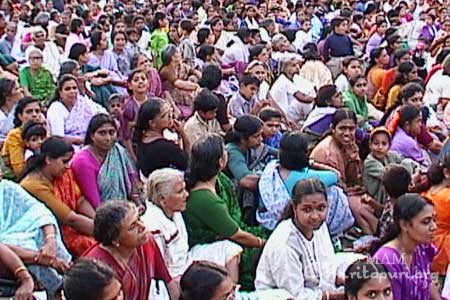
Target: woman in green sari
x=212 y=211
x=36 y=80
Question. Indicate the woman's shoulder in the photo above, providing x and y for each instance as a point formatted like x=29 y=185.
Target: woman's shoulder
x=388 y=255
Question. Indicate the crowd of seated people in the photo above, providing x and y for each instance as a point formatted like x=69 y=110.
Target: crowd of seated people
x=215 y=150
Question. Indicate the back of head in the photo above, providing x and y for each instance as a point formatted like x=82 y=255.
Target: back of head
x=294 y=151
x=211 y=77
x=201 y=280
x=87 y=279
x=396 y=180
x=407 y=114
x=440 y=170
x=77 y=50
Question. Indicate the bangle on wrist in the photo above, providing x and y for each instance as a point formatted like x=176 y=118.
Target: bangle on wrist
x=19 y=270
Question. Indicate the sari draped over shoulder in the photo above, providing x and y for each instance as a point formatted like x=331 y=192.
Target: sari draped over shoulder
x=145 y=264
x=21 y=220
x=79 y=117
x=66 y=189
x=275 y=196
x=117 y=176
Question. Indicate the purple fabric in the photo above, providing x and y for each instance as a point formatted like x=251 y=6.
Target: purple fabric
x=85 y=167
x=406 y=145
x=129 y=115
x=411 y=282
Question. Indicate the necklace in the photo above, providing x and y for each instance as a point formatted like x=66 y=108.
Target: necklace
x=312 y=257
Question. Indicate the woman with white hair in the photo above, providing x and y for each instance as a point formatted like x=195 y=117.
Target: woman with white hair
x=35 y=79
x=167 y=199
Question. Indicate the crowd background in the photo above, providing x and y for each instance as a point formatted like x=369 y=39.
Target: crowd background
x=225 y=149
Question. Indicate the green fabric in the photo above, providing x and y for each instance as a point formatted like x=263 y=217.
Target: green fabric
x=102 y=92
x=237 y=163
x=359 y=107
x=209 y=217
x=41 y=85
x=159 y=39
x=373 y=171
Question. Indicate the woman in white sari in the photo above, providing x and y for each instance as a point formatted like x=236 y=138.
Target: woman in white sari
x=167 y=194
x=295 y=254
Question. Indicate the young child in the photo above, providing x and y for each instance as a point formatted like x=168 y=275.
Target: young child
x=396 y=181
x=33 y=134
x=244 y=102
x=378 y=159
x=406 y=131
x=203 y=121
x=272 y=125
x=115 y=104
x=186 y=46
x=303 y=36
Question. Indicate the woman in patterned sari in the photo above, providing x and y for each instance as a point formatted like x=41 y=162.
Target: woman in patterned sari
x=29 y=229
x=48 y=178
x=104 y=169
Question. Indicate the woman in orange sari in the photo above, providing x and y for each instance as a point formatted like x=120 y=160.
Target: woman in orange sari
x=439 y=194
x=48 y=177
x=375 y=71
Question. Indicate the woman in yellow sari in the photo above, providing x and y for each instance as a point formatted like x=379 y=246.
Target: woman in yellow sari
x=375 y=72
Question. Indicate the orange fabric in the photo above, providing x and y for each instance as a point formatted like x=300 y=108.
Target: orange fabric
x=375 y=77
x=441 y=201
x=66 y=189
x=388 y=80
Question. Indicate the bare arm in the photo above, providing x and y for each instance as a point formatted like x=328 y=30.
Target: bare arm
x=249 y=182
x=185 y=85
x=85 y=208
x=247 y=239
x=174 y=290
x=303 y=97
x=80 y=223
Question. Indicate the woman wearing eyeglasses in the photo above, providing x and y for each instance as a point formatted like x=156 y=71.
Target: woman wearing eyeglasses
x=36 y=80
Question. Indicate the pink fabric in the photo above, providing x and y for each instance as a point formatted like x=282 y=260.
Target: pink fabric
x=73 y=39
x=85 y=167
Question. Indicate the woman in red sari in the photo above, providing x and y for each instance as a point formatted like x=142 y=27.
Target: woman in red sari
x=130 y=250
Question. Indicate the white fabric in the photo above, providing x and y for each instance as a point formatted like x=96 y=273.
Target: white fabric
x=301 y=39
x=57 y=115
x=446 y=289
x=172 y=239
x=238 y=51
x=263 y=91
x=290 y=261
x=342 y=83
x=144 y=41
x=437 y=87
x=6 y=123
x=224 y=39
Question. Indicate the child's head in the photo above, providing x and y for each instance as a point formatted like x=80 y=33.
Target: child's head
x=34 y=134
x=248 y=86
x=379 y=142
x=206 y=104
x=396 y=180
x=272 y=121
x=306 y=25
x=115 y=103
x=351 y=67
x=359 y=85
x=132 y=35
x=410 y=120
x=186 y=27
x=366 y=279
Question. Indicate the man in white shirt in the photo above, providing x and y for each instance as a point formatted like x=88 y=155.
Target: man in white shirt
x=238 y=50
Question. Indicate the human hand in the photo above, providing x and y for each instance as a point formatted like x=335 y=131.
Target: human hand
x=25 y=290
x=48 y=252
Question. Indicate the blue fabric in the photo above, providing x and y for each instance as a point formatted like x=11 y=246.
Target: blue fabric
x=327 y=177
x=21 y=220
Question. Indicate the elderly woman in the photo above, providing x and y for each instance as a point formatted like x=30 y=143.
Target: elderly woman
x=48 y=178
x=10 y=94
x=103 y=169
x=69 y=115
x=36 y=80
x=167 y=194
x=130 y=250
x=212 y=211
x=13 y=151
x=29 y=228
x=177 y=79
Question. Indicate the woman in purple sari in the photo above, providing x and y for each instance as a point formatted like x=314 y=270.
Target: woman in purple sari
x=407 y=250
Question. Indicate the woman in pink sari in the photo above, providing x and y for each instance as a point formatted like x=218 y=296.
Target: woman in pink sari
x=130 y=250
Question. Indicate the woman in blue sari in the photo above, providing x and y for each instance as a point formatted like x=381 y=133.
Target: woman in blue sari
x=103 y=169
x=29 y=229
